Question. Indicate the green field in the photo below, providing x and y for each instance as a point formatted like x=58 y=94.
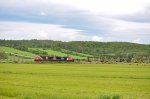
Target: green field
x=74 y=81
x=15 y=51
x=29 y=54
x=59 y=53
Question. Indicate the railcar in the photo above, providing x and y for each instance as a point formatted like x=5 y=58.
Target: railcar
x=53 y=58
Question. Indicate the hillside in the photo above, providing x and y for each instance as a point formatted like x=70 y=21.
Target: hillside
x=32 y=52
x=84 y=47
x=57 y=53
x=15 y=51
x=15 y=55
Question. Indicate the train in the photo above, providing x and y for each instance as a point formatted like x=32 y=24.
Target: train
x=53 y=59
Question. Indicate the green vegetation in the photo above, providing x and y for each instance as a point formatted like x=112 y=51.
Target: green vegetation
x=74 y=81
x=12 y=55
x=106 y=52
x=15 y=51
x=57 y=53
x=86 y=47
x=75 y=53
x=3 y=55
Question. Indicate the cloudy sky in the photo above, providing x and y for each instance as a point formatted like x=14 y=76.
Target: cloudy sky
x=76 y=20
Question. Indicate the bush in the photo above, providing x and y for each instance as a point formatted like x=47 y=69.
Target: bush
x=3 y=55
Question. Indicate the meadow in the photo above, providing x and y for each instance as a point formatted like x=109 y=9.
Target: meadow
x=15 y=51
x=50 y=52
x=74 y=81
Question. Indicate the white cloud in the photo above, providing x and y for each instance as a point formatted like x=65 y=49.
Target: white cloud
x=108 y=7
x=138 y=40
x=43 y=14
x=23 y=30
x=129 y=31
x=121 y=30
x=97 y=38
x=101 y=14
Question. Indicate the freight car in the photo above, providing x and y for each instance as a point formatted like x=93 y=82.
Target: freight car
x=53 y=58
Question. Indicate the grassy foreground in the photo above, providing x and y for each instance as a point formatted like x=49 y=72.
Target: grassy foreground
x=74 y=81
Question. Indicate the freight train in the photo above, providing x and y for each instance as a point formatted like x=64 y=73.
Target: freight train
x=53 y=58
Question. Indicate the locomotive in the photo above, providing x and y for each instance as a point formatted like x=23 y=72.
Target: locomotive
x=53 y=58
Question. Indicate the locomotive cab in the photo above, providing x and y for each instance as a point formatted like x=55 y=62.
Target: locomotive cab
x=38 y=58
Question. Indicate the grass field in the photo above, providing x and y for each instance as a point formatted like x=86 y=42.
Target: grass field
x=15 y=51
x=74 y=81
x=57 y=53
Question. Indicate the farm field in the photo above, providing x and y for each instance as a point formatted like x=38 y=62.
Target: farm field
x=74 y=81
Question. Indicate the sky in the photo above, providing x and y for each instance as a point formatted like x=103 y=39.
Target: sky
x=76 y=20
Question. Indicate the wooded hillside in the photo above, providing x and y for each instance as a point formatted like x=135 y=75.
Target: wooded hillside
x=86 y=47
x=93 y=51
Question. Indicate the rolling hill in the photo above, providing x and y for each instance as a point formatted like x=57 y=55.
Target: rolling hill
x=16 y=51
x=80 y=47
x=51 y=52
x=30 y=53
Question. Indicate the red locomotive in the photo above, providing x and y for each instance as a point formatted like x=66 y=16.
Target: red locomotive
x=53 y=58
